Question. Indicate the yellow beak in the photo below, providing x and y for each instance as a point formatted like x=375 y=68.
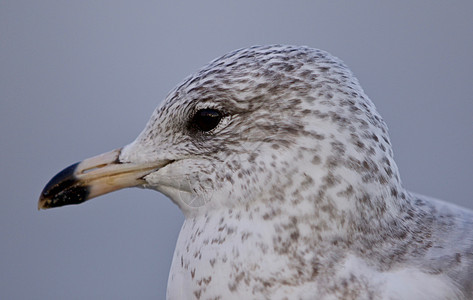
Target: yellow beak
x=93 y=177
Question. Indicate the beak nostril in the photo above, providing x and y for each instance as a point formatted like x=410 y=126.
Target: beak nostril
x=85 y=171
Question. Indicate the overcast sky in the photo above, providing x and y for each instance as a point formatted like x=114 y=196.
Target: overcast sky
x=78 y=78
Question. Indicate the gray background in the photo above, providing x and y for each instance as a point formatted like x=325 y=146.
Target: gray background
x=80 y=78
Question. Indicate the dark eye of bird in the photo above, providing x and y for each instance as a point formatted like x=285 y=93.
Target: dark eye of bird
x=207 y=119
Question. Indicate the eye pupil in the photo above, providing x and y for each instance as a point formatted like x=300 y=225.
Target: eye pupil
x=207 y=119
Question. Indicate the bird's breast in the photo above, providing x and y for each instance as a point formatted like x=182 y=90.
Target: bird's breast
x=225 y=256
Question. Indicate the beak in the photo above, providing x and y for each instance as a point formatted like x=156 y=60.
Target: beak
x=94 y=177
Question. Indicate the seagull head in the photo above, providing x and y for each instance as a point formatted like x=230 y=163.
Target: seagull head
x=248 y=124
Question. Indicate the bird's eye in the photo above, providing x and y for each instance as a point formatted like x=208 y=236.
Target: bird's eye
x=206 y=119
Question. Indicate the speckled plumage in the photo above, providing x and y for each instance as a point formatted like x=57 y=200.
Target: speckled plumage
x=295 y=194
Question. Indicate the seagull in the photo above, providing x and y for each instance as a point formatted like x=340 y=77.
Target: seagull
x=285 y=173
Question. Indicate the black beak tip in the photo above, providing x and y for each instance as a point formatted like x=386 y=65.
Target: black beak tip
x=63 y=189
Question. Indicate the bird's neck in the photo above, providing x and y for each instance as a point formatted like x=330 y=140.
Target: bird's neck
x=277 y=239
